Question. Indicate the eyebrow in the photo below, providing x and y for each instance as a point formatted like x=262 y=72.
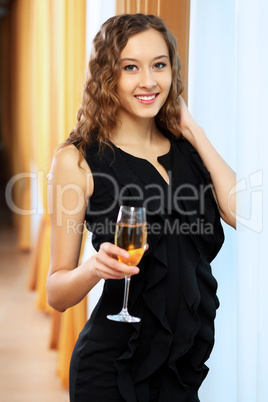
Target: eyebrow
x=155 y=58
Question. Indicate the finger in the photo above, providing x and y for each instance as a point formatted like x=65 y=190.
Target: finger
x=105 y=272
x=110 y=248
x=113 y=267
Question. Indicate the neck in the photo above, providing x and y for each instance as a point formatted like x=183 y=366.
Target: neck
x=135 y=131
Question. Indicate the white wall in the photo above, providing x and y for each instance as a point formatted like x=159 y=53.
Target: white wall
x=212 y=102
x=252 y=239
x=97 y=13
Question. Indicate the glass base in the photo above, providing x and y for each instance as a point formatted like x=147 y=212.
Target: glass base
x=123 y=317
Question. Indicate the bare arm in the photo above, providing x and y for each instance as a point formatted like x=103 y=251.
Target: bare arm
x=222 y=176
x=68 y=190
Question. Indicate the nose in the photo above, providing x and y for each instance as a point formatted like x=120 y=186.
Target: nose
x=147 y=79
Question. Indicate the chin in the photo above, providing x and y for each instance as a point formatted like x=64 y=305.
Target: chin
x=148 y=114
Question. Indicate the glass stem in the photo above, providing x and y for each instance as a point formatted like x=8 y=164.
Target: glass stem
x=126 y=293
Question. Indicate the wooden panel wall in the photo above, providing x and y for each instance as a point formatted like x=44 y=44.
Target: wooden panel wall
x=176 y=14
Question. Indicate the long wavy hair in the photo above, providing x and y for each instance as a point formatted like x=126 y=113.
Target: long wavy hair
x=97 y=115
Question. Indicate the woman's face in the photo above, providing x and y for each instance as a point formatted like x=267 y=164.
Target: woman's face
x=145 y=78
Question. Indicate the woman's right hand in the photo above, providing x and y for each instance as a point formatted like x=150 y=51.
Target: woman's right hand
x=106 y=265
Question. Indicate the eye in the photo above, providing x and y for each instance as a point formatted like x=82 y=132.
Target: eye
x=159 y=65
x=130 y=67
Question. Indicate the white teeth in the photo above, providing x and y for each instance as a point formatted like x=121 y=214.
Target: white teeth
x=146 y=98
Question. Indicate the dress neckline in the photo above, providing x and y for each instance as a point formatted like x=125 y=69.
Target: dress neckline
x=137 y=157
x=161 y=159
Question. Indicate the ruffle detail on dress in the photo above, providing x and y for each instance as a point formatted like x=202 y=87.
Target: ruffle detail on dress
x=142 y=360
x=139 y=362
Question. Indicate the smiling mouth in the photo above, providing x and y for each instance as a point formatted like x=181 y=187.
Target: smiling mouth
x=147 y=98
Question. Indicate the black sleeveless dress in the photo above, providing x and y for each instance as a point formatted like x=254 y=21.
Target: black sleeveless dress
x=162 y=358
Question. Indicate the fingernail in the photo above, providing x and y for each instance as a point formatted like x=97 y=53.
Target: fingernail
x=126 y=254
x=136 y=271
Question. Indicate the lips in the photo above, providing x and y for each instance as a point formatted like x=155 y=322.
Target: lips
x=147 y=99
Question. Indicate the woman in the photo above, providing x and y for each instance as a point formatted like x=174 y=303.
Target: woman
x=136 y=143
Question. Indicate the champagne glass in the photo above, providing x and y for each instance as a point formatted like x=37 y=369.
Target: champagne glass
x=131 y=235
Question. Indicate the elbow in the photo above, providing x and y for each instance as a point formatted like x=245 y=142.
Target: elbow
x=56 y=306
x=231 y=222
x=53 y=297
x=229 y=218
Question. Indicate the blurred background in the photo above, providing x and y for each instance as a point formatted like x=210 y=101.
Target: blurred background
x=44 y=49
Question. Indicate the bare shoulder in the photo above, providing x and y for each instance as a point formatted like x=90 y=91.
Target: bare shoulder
x=69 y=155
x=66 y=169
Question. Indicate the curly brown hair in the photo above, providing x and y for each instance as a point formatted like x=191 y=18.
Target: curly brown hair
x=97 y=115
